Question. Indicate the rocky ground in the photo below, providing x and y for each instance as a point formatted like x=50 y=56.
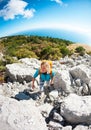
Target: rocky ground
x=65 y=106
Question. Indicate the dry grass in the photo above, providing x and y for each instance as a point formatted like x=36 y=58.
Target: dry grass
x=74 y=46
x=1 y=77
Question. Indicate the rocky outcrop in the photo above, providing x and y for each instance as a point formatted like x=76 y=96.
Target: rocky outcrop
x=77 y=109
x=81 y=72
x=65 y=106
x=34 y=63
x=19 y=72
x=23 y=71
x=21 y=115
x=62 y=81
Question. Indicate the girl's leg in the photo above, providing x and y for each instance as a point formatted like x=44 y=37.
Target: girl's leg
x=41 y=85
x=41 y=88
x=47 y=84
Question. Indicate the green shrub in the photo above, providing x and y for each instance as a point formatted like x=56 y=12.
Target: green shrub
x=10 y=60
x=80 y=50
x=51 y=53
x=65 y=51
x=89 y=53
x=23 y=52
x=2 y=68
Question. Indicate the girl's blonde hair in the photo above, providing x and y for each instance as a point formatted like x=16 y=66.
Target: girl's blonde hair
x=47 y=65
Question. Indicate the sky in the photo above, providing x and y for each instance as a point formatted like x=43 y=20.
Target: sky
x=72 y=16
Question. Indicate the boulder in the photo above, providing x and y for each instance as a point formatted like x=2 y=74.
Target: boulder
x=77 y=109
x=23 y=115
x=19 y=72
x=81 y=72
x=33 y=62
x=62 y=81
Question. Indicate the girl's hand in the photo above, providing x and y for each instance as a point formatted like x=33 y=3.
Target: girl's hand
x=51 y=84
x=33 y=86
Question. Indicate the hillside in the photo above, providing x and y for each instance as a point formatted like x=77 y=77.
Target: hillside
x=35 y=47
x=74 y=46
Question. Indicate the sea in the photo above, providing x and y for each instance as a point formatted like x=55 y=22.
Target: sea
x=55 y=33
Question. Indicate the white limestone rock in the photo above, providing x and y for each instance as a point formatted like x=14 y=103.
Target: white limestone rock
x=21 y=115
x=77 y=109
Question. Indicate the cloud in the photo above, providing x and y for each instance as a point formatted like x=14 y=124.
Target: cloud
x=15 y=8
x=60 y=2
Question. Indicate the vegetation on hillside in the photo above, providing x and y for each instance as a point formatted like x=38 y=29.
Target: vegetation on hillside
x=80 y=50
x=35 y=46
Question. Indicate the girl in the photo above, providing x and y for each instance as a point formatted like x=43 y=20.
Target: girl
x=46 y=75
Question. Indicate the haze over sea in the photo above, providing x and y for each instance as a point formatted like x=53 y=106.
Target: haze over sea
x=55 y=33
